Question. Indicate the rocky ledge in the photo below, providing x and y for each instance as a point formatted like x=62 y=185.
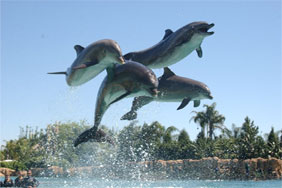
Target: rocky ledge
x=213 y=168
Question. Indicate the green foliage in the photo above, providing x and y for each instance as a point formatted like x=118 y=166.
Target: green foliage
x=248 y=140
x=13 y=165
x=54 y=145
x=186 y=148
x=273 y=147
x=210 y=119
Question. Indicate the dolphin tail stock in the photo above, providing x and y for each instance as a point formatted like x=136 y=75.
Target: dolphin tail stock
x=65 y=73
x=129 y=116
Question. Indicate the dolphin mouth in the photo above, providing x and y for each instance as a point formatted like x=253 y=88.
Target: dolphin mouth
x=205 y=29
x=121 y=60
x=210 y=96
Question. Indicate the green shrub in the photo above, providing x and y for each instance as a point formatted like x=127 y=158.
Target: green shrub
x=15 y=165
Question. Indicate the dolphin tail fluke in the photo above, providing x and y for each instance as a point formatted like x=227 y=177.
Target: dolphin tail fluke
x=85 y=136
x=129 y=116
x=65 y=73
x=93 y=134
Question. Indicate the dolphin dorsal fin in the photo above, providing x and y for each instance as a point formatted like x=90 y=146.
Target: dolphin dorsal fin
x=167 y=33
x=128 y=56
x=167 y=73
x=78 y=49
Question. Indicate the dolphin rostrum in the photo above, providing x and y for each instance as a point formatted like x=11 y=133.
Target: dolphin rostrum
x=174 y=46
x=128 y=80
x=172 y=88
x=92 y=60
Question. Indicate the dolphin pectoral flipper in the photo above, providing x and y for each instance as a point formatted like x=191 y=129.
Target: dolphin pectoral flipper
x=85 y=65
x=121 y=97
x=197 y=103
x=184 y=103
x=199 y=51
x=167 y=33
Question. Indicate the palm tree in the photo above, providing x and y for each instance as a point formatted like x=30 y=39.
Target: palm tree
x=231 y=134
x=168 y=134
x=210 y=119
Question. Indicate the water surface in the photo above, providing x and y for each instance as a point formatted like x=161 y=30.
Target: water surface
x=90 y=182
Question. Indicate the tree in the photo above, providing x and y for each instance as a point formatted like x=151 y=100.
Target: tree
x=168 y=134
x=168 y=148
x=186 y=149
x=210 y=119
x=273 y=145
x=247 y=140
x=127 y=140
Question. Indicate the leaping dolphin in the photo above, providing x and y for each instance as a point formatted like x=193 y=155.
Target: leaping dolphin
x=174 y=46
x=172 y=88
x=128 y=80
x=92 y=60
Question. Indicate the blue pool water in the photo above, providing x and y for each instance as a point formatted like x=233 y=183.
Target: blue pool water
x=90 y=182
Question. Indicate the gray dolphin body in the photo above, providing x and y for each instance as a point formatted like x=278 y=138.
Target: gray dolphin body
x=128 y=80
x=92 y=60
x=174 y=46
x=172 y=88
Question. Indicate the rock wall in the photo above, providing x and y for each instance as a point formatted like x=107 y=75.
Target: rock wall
x=214 y=168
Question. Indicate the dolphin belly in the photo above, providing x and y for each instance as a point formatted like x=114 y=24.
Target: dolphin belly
x=177 y=53
x=81 y=76
x=113 y=94
x=172 y=96
x=168 y=99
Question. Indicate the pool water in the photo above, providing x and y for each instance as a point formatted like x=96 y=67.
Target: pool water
x=92 y=182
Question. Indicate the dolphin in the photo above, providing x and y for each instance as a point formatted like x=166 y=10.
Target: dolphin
x=128 y=80
x=92 y=60
x=174 y=46
x=172 y=88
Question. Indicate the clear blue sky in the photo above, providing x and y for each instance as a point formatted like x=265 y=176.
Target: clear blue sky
x=241 y=62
